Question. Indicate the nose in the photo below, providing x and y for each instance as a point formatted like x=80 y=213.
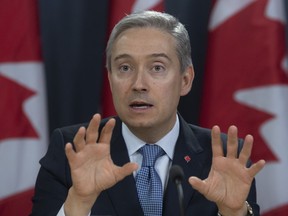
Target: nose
x=140 y=82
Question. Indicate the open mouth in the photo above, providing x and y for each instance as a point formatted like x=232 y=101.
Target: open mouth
x=140 y=105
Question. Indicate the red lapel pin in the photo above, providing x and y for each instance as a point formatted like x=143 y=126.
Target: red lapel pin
x=187 y=158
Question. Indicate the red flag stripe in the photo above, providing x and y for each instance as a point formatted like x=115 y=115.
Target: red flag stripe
x=18 y=204
x=19 y=38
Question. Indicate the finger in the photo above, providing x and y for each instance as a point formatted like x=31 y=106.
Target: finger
x=126 y=170
x=232 y=142
x=256 y=167
x=246 y=150
x=92 y=130
x=198 y=184
x=79 y=139
x=216 y=142
x=106 y=133
x=70 y=153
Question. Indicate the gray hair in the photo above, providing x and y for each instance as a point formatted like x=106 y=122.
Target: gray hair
x=161 y=21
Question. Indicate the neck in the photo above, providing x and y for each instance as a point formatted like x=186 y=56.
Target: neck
x=152 y=134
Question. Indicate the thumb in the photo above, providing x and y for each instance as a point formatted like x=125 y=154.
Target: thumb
x=197 y=184
x=126 y=170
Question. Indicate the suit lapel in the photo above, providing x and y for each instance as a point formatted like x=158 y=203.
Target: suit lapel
x=191 y=157
x=124 y=194
x=188 y=154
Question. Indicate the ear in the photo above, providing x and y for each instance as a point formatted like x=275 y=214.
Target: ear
x=187 y=80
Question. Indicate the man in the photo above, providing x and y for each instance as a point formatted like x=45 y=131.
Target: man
x=96 y=169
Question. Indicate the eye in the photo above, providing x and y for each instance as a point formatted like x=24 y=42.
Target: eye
x=124 y=68
x=158 y=68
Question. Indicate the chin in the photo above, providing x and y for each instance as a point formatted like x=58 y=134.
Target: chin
x=139 y=123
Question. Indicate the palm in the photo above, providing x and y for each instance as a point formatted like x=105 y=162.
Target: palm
x=229 y=180
x=92 y=168
x=220 y=184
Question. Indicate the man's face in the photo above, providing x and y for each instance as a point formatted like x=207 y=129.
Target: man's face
x=146 y=81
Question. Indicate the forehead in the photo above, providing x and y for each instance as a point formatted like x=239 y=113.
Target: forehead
x=144 y=42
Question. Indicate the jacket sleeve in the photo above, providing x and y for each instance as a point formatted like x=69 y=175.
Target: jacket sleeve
x=53 y=181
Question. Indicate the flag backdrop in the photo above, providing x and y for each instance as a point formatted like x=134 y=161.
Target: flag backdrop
x=73 y=39
x=23 y=125
x=246 y=84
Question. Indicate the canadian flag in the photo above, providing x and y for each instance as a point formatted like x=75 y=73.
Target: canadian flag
x=246 y=84
x=23 y=124
x=118 y=10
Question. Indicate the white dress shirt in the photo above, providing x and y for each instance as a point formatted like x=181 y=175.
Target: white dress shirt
x=163 y=163
x=167 y=143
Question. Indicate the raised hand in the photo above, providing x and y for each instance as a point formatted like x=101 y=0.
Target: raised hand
x=92 y=168
x=229 y=180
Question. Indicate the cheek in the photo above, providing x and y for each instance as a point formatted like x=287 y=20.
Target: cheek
x=116 y=85
x=173 y=88
x=119 y=91
x=169 y=95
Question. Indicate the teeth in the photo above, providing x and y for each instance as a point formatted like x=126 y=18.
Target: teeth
x=142 y=106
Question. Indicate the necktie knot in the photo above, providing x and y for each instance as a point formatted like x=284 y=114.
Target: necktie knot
x=150 y=154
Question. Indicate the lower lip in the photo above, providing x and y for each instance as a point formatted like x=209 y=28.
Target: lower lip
x=140 y=109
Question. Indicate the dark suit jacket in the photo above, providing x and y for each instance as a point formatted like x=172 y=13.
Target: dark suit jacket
x=54 y=178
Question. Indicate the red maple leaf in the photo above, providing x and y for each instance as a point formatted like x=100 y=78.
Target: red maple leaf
x=246 y=51
x=14 y=122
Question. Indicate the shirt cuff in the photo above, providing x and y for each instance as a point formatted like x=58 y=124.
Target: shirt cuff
x=62 y=213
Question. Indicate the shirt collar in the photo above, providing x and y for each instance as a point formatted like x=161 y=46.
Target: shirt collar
x=167 y=143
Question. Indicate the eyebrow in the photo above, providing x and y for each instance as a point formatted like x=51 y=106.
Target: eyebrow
x=122 y=56
x=163 y=55
x=154 y=55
